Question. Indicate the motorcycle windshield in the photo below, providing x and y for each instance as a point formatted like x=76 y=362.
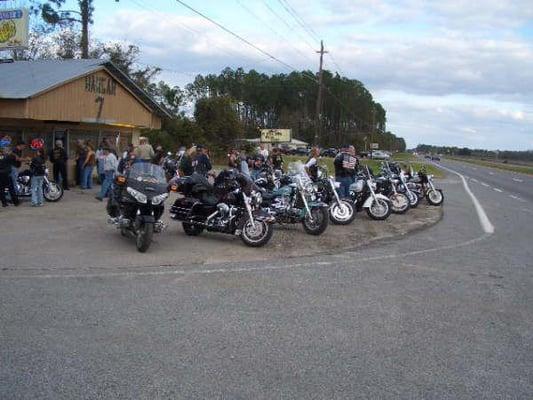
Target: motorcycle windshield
x=145 y=172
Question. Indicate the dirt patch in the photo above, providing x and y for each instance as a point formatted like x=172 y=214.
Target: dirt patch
x=73 y=234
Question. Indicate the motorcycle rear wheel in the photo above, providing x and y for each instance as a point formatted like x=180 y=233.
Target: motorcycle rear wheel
x=399 y=203
x=258 y=236
x=144 y=237
x=192 y=229
x=319 y=223
x=343 y=213
x=435 y=197
x=54 y=193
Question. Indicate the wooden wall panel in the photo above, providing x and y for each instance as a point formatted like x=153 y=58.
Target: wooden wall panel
x=12 y=108
x=72 y=102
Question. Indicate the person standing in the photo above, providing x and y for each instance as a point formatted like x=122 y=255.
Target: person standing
x=100 y=159
x=263 y=151
x=6 y=163
x=144 y=151
x=110 y=165
x=345 y=164
x=17 y=161
x=58 y=158
x=276 y=159
x=201 y=163
x=185 y=166
x=37 y=169
x=81 y=155
x=159 y=155
x=88 y=167
x=311 y=165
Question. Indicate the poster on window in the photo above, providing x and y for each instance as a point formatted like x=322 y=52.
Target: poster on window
x=14 y=28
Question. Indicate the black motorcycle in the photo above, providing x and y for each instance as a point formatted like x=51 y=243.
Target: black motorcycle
x=137 y=203
x=364 y=193
x=341 y=211
x=52 y=191
x=232 y=206
x=170 y=165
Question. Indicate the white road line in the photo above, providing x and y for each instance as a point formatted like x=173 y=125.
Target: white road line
x=474 y=180
x=484 y=184
x=527 y=210
x=498 y=190
x=491 y=173
x=517 y=180
x=482 y=215
x=512 y=196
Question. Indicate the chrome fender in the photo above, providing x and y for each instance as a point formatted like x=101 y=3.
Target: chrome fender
x=370 y=199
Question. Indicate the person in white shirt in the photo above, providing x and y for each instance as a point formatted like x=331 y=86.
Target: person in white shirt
x=110 y=164
x=311 y=166
x=262 y=151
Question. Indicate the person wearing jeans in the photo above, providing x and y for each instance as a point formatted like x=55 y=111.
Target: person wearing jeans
x=37 y=169
x=110 y=164
x=88 y=167
x=345 y=163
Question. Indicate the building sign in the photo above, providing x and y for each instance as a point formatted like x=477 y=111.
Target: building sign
x=374 y=146
x=276 y=135
x=14 y=28
x=100 y=85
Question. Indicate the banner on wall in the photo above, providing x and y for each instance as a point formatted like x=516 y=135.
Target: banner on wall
x=14 y=28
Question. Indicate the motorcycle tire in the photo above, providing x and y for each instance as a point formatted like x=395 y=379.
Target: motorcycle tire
x=144 y=237
x=379 y=213
x=399 y=203
x=258 y=236
x=320 y=221
x=413 y=199
x=192 y=229
x=343 y=213
x=435 y=197
x=54 y=193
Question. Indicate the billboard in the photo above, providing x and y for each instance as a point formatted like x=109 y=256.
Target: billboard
x=276 y=135
x=374 y=146
x=14 y=28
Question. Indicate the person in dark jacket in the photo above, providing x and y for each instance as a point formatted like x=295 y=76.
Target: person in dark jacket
x=16 y=153
x=7 y=161
x=185 y=166
x=201 y=163
x=276 y=159
x=345 y=164
x=58 y=157
x=37 y=169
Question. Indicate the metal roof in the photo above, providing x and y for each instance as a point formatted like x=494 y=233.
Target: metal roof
x=25 y=79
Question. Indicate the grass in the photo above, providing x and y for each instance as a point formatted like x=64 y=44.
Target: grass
x=523 y=169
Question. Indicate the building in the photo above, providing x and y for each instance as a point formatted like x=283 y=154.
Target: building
x=73 y=99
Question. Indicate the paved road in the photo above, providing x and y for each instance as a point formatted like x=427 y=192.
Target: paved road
x=446 y=313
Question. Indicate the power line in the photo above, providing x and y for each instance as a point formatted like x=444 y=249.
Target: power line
x=298 y=19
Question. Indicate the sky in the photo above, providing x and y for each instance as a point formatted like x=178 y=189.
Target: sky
x=448 y=72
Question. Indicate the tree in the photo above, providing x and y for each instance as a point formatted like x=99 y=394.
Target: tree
x=52 y=13
x=218 y=120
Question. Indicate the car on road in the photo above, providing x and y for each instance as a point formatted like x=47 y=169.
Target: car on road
x=380 y=155
x=435 y=157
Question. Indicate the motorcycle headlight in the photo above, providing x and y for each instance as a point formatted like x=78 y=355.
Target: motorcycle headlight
x=156 y=200
x=140 y=197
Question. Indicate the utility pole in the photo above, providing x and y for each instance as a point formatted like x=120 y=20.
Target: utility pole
x=318 y=116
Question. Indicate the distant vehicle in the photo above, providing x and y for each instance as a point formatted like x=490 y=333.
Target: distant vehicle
x=435 y=158
x=301 y=151
x=364 y=154
x=427 y=156
x=380 y=155
x=331 y=152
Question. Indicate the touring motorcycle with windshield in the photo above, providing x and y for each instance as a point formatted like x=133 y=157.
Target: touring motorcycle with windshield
x=295 y=201
x=137 y=203
x=232 y=206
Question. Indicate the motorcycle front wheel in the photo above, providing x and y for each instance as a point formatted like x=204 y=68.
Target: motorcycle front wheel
x=319 y=222
x=144 y=237
x=379 y=210
x=342 y=213
x=192 y=229
x=53 y=192
x=399 y=203
x=413 y=199
x=258 y=235
x=435 y=197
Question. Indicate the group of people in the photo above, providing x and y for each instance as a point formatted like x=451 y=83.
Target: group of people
x=11 y=160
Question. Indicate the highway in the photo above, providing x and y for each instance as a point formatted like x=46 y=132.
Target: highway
x=444 y=313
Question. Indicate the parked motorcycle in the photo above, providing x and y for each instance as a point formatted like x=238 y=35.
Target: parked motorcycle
x=296 y=201
x=52 y=191
x=363 y=193
x=434 y=196
x=387 y=185
x=137 y=203
x=232 y=206
x=170 y=165
x=341 y=211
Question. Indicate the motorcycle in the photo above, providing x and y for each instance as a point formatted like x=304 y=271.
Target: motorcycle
x=341 y=211
x=296 y=201
x=232 y=206
x=363 y=193
x=170 y=165
x=52 y=191
x=137 y=203
x=434 y=196
x=387 y=185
